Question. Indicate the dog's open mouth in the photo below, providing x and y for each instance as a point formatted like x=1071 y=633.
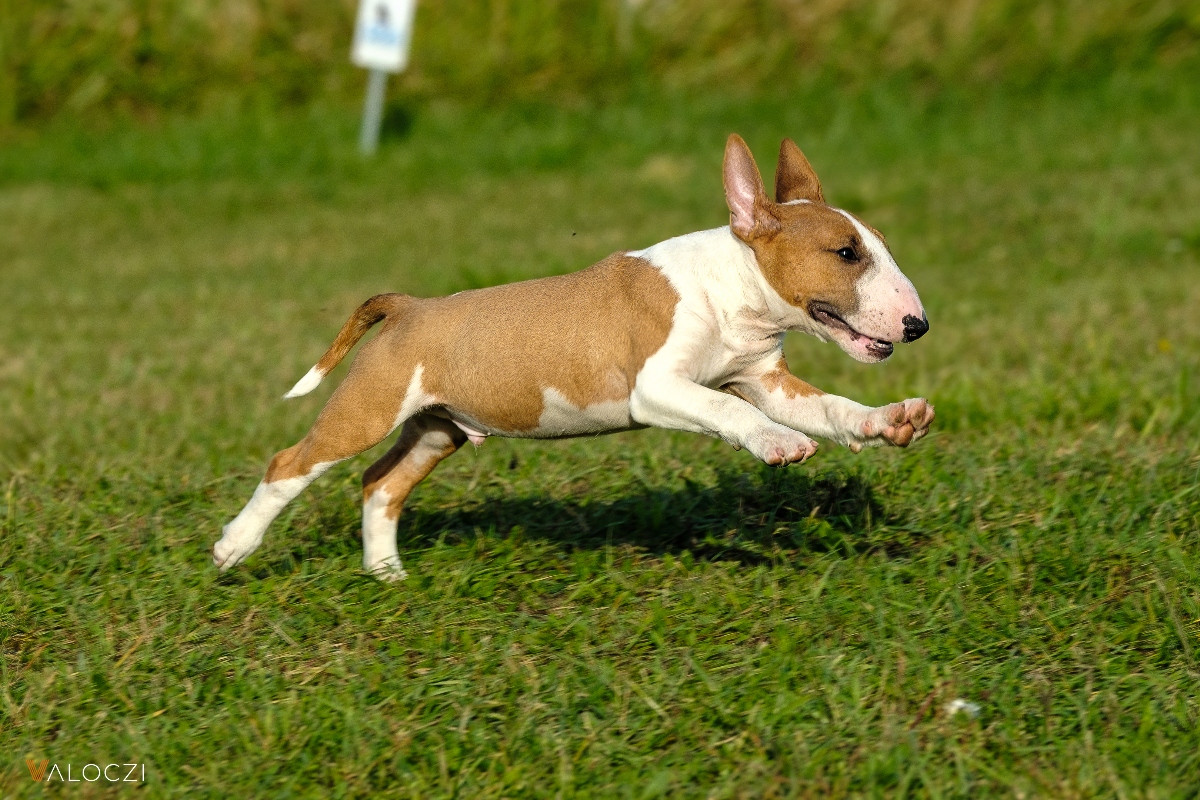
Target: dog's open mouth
x=825 y=315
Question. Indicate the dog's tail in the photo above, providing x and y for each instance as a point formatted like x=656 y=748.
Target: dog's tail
x=378 y=307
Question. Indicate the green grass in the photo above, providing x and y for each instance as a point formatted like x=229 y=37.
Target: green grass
x=639 y=615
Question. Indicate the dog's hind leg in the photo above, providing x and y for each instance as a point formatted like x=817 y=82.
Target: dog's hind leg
x=244 y=534
x=424 y=441
x=360 y=414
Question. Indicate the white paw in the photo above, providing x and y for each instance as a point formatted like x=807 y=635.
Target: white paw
x=388 y=570
x=898 y=424
x=233 y=549
x=780 y=446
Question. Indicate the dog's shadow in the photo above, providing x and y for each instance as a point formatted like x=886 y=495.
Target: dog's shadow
x=761 y=516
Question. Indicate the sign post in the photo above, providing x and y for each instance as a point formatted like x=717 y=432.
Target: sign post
x=381 y=38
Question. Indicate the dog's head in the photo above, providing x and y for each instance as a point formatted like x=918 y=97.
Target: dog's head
x=825 y=262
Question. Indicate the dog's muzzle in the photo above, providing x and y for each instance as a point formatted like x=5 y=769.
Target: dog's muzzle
x=914 y=328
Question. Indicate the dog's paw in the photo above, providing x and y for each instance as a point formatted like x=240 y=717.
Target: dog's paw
x=898 y=424
x=780 y=446
x=390 y=574
x=231 y=549
x=388 y=570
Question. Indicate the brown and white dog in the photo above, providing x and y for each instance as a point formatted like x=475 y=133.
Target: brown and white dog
x=687 y=334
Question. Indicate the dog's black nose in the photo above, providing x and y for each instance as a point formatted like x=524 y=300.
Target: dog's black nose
x=914 y=328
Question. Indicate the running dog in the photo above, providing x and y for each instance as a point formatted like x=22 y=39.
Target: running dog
x=687 y=334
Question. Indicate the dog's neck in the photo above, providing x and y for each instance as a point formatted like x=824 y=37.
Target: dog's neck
x=722 y=268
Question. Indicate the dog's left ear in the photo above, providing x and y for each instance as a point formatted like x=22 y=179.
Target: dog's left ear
x=795 y=178
x=750 y=214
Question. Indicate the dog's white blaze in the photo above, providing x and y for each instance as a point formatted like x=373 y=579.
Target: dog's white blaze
x=885 y=294
x=311 y=380
x=244 y=534
x=380 y=555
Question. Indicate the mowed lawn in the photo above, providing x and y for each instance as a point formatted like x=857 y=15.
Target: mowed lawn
x=647 y=614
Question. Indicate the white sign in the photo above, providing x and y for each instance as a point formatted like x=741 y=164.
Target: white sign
x=382 y=34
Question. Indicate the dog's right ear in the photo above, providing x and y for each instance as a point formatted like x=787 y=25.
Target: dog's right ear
x=750 y=213
x=795 y=179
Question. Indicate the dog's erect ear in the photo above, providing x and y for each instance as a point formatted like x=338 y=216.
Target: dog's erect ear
x=794 y=177
x=749 y=207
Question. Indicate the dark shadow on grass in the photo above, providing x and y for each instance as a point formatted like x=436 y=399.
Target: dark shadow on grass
x=755 y=517
x=397 y=122
x=760 y=516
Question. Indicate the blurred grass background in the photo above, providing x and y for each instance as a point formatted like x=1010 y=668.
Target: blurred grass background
x=140 y=56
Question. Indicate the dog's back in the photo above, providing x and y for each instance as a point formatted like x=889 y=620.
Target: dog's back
x=549 y=357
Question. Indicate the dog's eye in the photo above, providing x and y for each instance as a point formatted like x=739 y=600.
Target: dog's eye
x=848 y=254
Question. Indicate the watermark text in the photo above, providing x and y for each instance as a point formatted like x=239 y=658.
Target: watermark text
x=44 y=771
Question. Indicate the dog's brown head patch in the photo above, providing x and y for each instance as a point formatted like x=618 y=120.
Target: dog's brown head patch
x=808 y=252
x=820 y=259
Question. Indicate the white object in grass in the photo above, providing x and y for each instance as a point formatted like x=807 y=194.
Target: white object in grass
x=959 y=705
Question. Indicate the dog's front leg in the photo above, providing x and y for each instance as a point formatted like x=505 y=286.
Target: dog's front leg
x=783 y=397
x=673 y=401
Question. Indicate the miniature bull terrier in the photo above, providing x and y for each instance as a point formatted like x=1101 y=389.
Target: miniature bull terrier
x=687 y=334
